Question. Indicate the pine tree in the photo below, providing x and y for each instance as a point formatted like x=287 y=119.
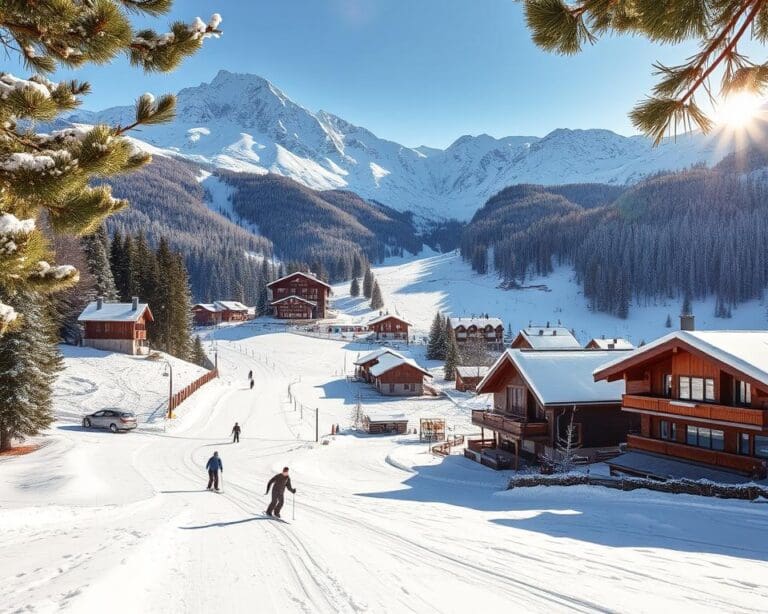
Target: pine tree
x=181 y=310
x=451 y=356
x=368 y=283
x=96 y=247
x=52 y=172
x=436 y=342
x=668 y=322
x=29 y=361
x=354 y=288
x=198 y=353
x=357 y=267
x=718 y=28
x=119 y=264
x=377 y=301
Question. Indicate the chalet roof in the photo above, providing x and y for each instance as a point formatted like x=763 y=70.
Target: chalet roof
x=298 y=298
x=387 y=362
x=561 y=377
x=384 y=416
x=307 y=275
x=113 y=312
x=230 y=306
x=746 y=351
x=376 y=354
x=387 y=316
x=479 y=322
x=550 y=338
x=207 y=306
x=617 y=343
x=472 y=371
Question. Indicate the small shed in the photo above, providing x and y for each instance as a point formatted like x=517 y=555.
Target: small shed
x=116 y=327
x=380 y=423
x=467 y=378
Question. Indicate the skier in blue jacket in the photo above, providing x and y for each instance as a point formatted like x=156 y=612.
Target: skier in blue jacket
x=214 y=465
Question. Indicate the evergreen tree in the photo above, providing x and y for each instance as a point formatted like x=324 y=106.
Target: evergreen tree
x=181 y=310
x=119 y=264
x=96 y=248
x=668 y=322
x=436 y=342
x=29 y=361
x=354 y=288
x=451 y=356
x=51 y=172
x=368 y=283
x=377 y=301
x=198 y=353
x=357 y=267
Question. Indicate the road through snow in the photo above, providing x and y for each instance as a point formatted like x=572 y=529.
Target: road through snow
x=95 y=519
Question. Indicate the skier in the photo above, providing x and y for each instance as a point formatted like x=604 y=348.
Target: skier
x=250 y=375
x=278 y=483
x=214 y=465
x=251 y=384
x=236 y=433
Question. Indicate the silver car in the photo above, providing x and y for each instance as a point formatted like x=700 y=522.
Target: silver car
x=111 y=419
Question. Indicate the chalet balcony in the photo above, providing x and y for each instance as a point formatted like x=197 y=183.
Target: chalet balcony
x=695 y=410
x=734 y=462
x=514 y=426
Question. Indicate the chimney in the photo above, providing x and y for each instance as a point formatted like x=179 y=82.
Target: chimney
x=615 y=339
x=547 y=323
x=134 y=303
x=554 y=333
x=99 y=302
x=541 y=333
x=687 y=322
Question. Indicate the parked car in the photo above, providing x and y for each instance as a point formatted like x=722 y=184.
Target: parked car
x=111 y=419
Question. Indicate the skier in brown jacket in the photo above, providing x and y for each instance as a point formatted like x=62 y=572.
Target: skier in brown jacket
x=278 y=484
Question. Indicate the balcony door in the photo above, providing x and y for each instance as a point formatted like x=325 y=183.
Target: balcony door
x=516 y=401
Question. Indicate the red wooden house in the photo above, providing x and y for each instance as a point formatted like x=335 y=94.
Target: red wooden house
x=116 y=327
x=388 y=326
x=364 y=363
x=231 y=311
x=545 y=338
x=467 y=378
x=205 y=314
x=488 y=330
x=395 y=375
x=534 y=395
x=701 y=396
x=299 y=296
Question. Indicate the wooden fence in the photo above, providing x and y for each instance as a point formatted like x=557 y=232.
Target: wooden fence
x=186 y=392
x=444 y=449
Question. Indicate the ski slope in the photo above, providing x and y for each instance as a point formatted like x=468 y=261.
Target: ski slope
x=95 y=520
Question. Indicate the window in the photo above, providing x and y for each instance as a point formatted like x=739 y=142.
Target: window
x=744 y=444
x=697 y=388
x=668 y=430
x=666 y=385
x=705 y=438
x=391 y=387
x=761 y=446
x=515 y=397
x=743 y=393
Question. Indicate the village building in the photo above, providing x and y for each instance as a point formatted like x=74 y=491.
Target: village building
x=467 y=378
x=116 y=327
x=205 y=314
x=545 y=338
x=614 y=343
x=364 y=363
x=299 y=296
x=701 y=397
x=394 y=375
x=535 y=394
x=389 y=327
x=488 y=330
x=380 y=423
x=231 y=311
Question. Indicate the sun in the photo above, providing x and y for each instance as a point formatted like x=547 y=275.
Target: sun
x=738 y=110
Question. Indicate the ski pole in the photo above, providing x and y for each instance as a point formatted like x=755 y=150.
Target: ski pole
x=293 y=513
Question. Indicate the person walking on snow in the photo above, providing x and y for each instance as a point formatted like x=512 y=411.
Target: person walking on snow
x=214 y=465
x=251 y=384
x=250 y=375
x=278 y=484
x=236 y=433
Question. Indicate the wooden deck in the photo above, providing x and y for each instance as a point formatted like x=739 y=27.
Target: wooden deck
x=696 y=410
x=517 y=428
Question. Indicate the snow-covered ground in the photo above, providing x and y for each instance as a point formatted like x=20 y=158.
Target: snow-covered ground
x=95 y=520
x=416 y=287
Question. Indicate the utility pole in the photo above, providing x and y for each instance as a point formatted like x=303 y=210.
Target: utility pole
x=169 y=373
x=317 y=424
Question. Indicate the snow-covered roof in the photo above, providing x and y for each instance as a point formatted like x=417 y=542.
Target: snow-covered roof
x=112 y=312
x=615 y=343
x=387 y=316
x=384 y=416
x=562 y=377
x=473 y=371
x=388 y=361
x=298 y=298
x=550 y=338
x=307 y=275
x=230 y=306
x=479 y=322
x=745 y=351
x=376 y=354
x=207 y=306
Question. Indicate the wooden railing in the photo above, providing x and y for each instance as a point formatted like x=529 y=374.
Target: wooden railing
x=736 y=462
x=444 y=448
x=186 y=392
x=519 y=427
x=694 y=409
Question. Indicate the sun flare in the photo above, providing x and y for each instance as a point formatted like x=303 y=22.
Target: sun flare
x=739 y=110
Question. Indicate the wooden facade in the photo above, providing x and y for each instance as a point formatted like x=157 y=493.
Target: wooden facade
x=390 y=327
x=489 y=331
x=116 y=327
x=467 y=378
x=299 y=296
x=695 y=405
x=385 y=425
x=545 y=338
x=402 y=380
x=205 y=315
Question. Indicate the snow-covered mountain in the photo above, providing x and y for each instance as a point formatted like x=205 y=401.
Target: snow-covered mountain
x=243 y=122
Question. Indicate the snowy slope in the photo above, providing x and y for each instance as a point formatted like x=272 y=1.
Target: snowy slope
x=245 y=123
x=415 y=288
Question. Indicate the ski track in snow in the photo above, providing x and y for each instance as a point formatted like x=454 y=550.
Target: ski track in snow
x=381 y=526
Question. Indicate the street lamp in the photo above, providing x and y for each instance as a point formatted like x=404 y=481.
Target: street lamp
x=169 y=374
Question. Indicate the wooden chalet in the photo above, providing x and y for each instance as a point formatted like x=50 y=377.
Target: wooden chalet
x=364 y=363
x=545 y=338
x=614 y=343
x=116 y=327
x=299 y=296
x=380 y=423
x=467 y=378
x=488 y=330
x=390 y=327
x=700 y=396
x=205 y=314
x=534 y=394
x=395 y=375
x=231 y=311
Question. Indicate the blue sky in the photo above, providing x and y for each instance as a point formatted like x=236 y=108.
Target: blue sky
x=420 y=72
